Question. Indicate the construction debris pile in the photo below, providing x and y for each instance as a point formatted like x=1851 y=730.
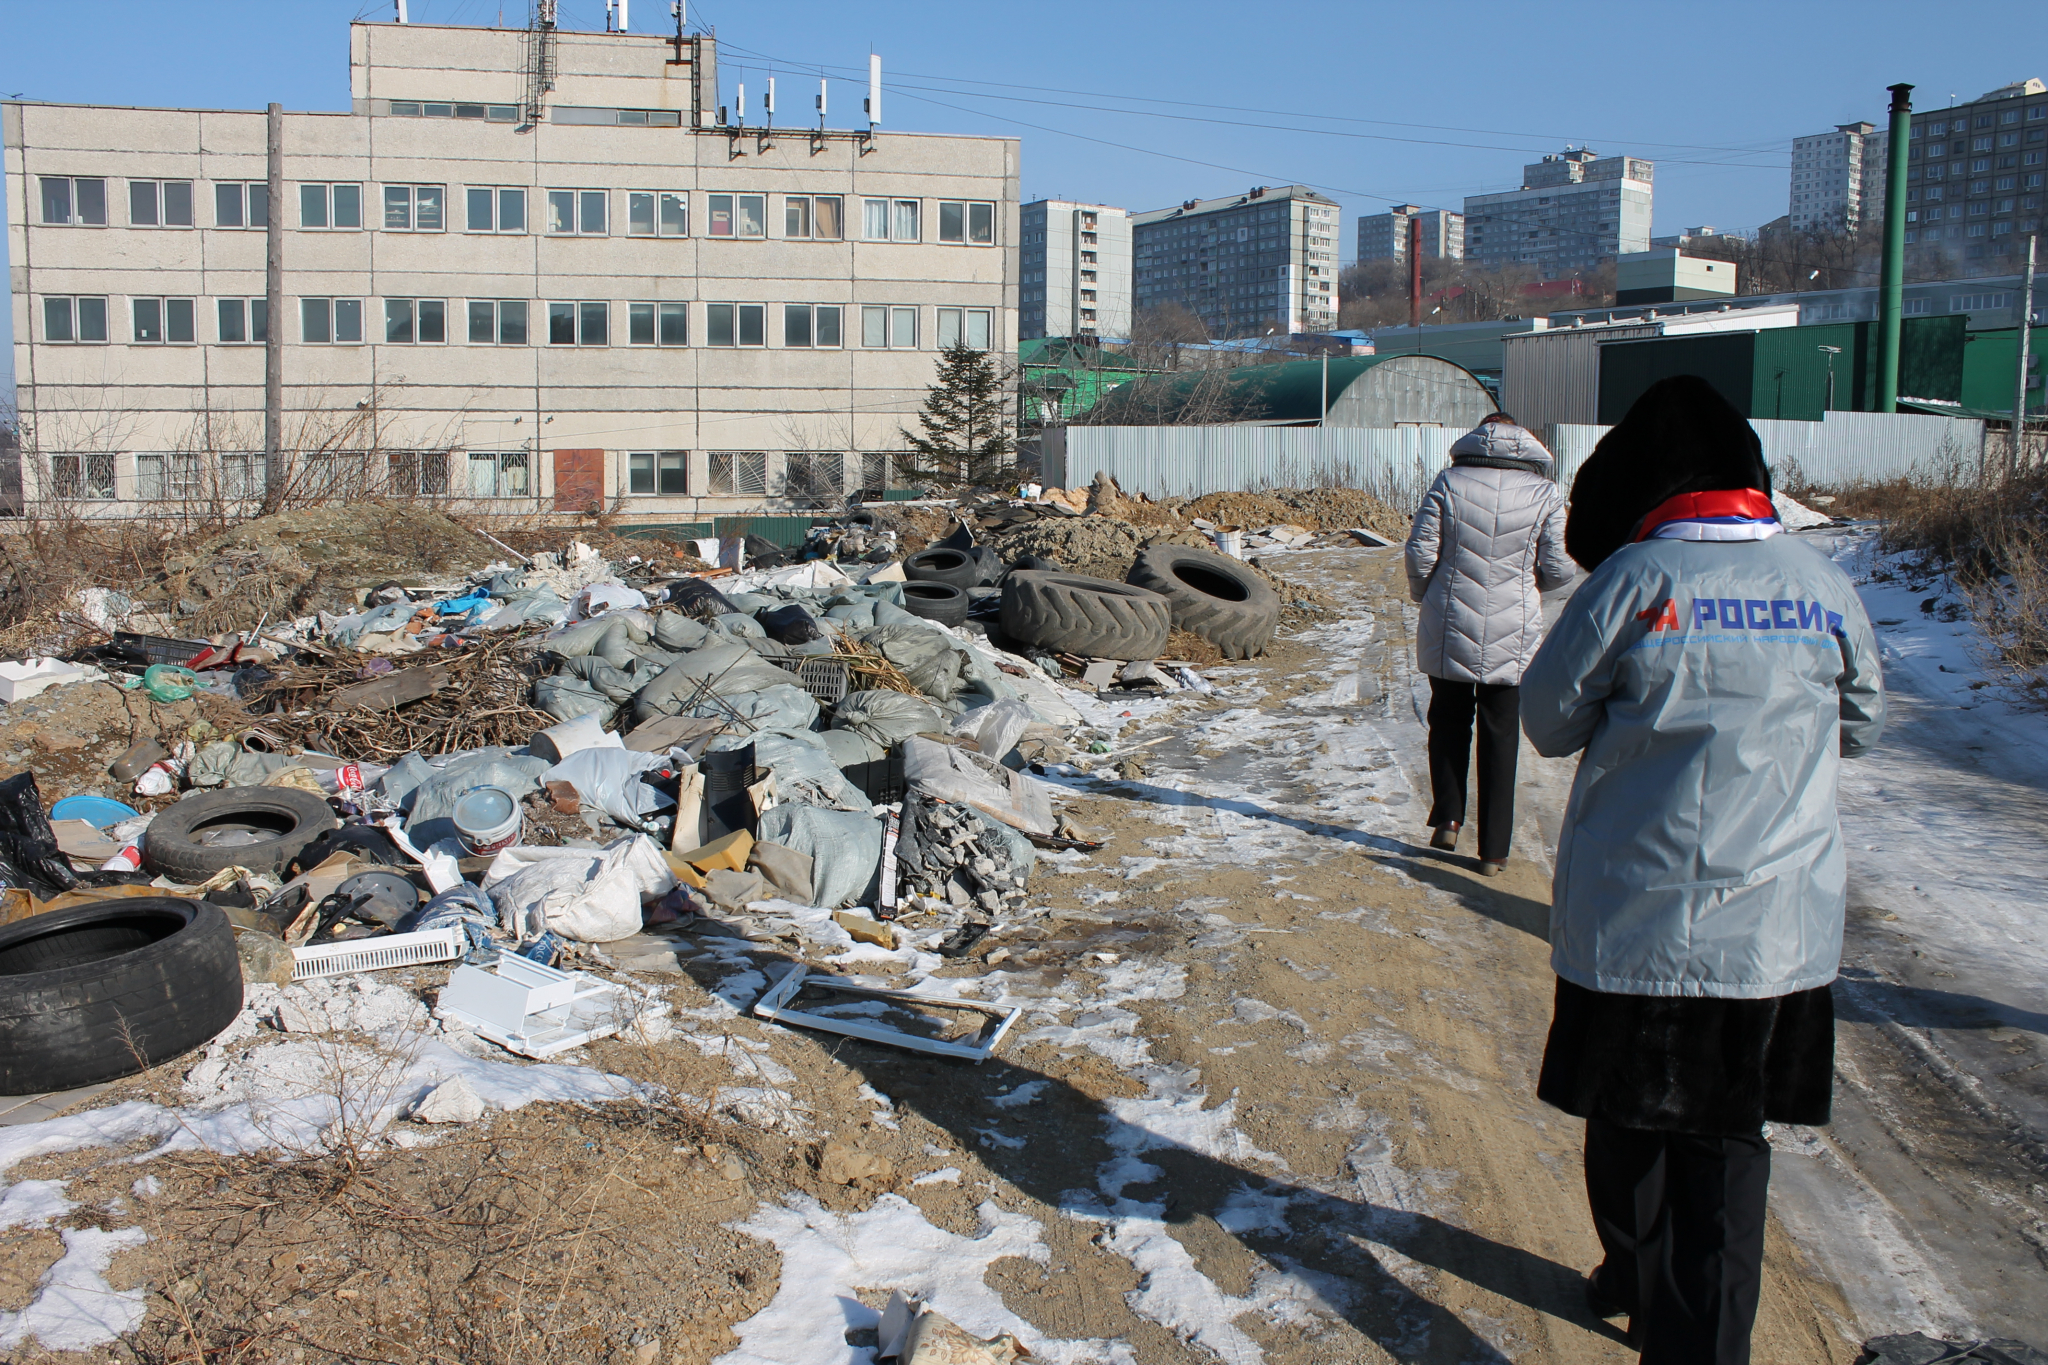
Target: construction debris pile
x=319 y=750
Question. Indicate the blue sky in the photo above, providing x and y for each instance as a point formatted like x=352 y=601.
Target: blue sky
x=1145 y=104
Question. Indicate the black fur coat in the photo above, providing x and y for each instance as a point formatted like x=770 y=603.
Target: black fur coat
x=1711 y=1067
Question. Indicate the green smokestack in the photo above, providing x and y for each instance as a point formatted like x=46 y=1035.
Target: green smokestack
x=1891 y=289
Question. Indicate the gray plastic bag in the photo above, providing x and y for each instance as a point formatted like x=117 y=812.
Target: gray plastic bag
x=885 y=717
x=845 y=849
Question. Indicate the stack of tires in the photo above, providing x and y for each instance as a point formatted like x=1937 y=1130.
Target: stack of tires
x=1170 y=586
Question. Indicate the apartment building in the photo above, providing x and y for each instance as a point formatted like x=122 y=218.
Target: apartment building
x=1838 y=179
x=1259 y=262
x=1974 y=181
x=1384 y=236
x=529 y=269
x=1573 y=211
x=1075 y=270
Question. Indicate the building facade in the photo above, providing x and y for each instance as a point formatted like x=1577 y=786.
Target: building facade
x=530 y=270
x=1384 y=236
x=1572 y=212
x=1668 y=275
x=1075 y=276
x=1838 y=179
x=1974 y=182
x=1259 y=262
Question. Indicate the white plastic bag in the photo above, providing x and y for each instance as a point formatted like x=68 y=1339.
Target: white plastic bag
x=589 y=895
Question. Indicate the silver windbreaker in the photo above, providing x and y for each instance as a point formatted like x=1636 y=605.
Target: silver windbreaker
x=1715 y=688
x=1488 y=540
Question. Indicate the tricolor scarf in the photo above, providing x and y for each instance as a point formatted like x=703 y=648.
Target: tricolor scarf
x=1718 y=514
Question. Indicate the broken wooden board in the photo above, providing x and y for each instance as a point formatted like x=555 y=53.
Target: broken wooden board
x=392 y=690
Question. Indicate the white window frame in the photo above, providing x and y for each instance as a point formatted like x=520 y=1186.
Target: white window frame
x=655 y=464
x=159 y=203
x=332 y=310
x=814 y=315
x=74 y=213
x=497 y=321
x=732 y=205
x=967 y=237
x=330 y=202
x=809 y=203
x=657 y=314
x=164 y=314
x=74 y=321
x=90 y=475
x=660 y=223
x=417 y=473
x=509 y=474
x=496 y=197
x=962 y=322
x=251 y=205
x=582 y=312
x=735 y=320
x=415 y=199
x=415 y=322
x=582 y=205
x=246 y=313
x=167 y=476
x=892 y=319
x=738 y=474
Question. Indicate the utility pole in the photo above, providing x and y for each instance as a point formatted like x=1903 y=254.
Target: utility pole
x=275 y=475
x=1891 y=289
x=2017 y=460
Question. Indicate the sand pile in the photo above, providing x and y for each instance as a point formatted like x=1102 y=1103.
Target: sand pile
x=1319 y=509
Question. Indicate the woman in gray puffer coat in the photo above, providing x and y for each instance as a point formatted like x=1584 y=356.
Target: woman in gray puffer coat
x=1487 y=543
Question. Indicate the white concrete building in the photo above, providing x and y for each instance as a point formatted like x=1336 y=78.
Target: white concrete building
x=1384 y=236
x=529 y=270
x=1573 y=211
x=1838 y=179
x=1075 y=270
x=1247 y=265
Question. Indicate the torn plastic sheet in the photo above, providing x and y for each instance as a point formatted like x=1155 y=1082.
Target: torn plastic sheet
x=776 y=1005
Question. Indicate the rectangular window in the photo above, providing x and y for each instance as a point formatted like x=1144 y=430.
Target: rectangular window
x=971 y=325
x=808 y=325
x=875 y=220
x=735 y=324
x=85 y=477
x=583 y=323
x=672 y=323
x=418 y=473
x=663 y=473
x=407 y=321
x=161 y=321
x=903 y=328
x=330 y=321
x=160 y=203
x=739 y=215
x=414 y=208
x=241 y=205
x=814 y=476
x=498 y=474
x=75 y=319
x=75 y=201
x=500 y=322
x=739 y=474
x=162 y=478
x=579 y=213
x=903 y=220
x=874 y=474
x=969 y=221
x=657 y=213
x=331 y=206
x=491 y=208
x=243 y=320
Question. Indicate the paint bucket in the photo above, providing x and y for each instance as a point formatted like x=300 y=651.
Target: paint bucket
x=487 y=819
x=1229 y=543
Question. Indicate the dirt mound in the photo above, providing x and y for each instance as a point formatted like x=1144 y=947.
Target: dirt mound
x=311 y=560
x=1103 y=547
x=1319 y=509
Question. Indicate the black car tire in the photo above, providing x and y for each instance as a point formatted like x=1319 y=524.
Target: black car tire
x=1036 y=564
x=1213 y=596
x=291 y=818
x=940 y=603
x=1096 y=618
x=109 y=989
x=939 y=564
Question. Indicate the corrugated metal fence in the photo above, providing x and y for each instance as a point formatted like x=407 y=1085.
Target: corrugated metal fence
x=1845 y=448
x=1395 y=464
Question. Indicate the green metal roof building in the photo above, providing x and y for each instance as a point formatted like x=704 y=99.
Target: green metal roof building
x=1345 y=391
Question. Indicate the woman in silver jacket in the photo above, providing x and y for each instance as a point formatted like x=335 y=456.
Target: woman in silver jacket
x=1712 y=673
x=1488 y=541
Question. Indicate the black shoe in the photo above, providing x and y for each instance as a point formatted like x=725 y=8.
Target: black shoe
x=1603 y=1301
x=1445 y=837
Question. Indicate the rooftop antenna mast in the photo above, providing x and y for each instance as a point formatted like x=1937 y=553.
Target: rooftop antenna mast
x=540 y=58
x=872 y=105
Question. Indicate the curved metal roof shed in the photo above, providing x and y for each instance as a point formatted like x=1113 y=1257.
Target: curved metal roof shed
x=1364 y=391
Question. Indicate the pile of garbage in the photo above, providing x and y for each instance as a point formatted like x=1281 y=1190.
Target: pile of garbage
x=505 y=767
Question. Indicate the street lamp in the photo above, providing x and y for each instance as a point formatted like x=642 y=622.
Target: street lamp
x=1831 y=352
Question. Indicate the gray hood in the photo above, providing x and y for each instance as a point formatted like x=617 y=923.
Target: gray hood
x=1502 y=445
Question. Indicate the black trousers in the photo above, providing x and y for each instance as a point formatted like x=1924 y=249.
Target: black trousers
x=1452 y=707
x=1681 y=1218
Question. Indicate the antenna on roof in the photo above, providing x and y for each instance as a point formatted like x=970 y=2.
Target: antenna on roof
x=400 y=6
x=739 y=104
x=768 y=104
x=872 y=105
x=821 y=102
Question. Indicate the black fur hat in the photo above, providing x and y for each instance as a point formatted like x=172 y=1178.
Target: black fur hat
x=1680 y=437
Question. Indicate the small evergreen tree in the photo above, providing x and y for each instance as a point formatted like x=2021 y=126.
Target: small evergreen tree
x=966 y=431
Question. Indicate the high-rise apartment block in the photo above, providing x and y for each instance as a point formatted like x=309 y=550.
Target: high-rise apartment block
x=1264 y=261
x=1974 y=180
x=1573 y=211
x=1076 y=270
x=1384 y=236
x=530 y=270
x=1838 y=179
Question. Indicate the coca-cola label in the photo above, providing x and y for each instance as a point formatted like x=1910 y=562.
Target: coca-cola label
x=349 y=777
